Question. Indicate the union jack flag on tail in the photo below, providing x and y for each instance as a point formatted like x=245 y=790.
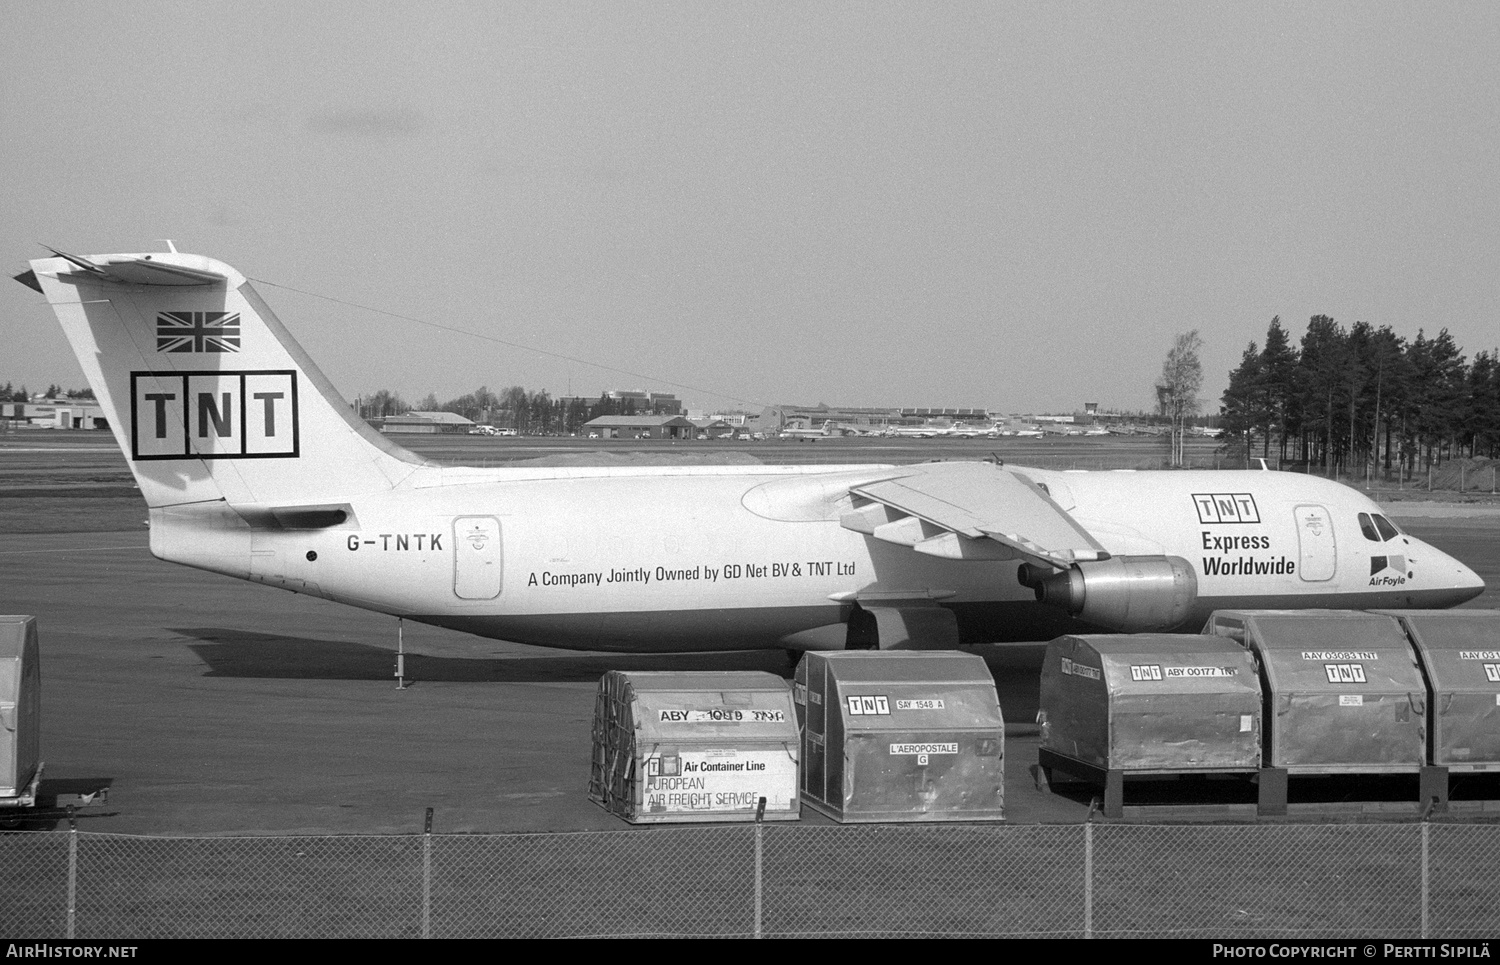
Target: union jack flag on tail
x=197 y=332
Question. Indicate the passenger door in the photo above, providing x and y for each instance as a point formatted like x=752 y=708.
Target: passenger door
x=1317 y=547
x=477 y=559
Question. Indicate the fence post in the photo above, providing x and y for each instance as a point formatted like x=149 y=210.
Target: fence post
x=427 y=876
x=760 y=816
x=72 y=872
x=1088 y=876
x=1425 y=876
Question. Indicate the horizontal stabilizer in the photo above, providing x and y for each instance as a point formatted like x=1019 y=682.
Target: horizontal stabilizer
x=141 y=270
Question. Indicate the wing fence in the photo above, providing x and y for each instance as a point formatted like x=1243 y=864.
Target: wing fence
x=1420 y=880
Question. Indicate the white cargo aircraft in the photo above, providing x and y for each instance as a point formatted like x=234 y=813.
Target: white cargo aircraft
x=254 y=467
x=807 y=432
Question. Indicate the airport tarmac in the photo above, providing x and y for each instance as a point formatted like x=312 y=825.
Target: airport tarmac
x=211 y=706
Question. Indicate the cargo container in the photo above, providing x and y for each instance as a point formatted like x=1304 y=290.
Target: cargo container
x=695 y=747
x=901 y=736
x=1460 y=655
x=20 y=711
x=1342 y=690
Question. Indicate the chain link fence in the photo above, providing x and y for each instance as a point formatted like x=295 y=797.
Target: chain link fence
x=1102 y=880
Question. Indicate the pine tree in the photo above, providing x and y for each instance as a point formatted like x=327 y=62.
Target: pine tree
x=1278 y=363
x=1319 y=384
x=1242 y=404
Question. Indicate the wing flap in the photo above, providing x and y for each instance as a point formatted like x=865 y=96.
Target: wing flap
x=955 y=547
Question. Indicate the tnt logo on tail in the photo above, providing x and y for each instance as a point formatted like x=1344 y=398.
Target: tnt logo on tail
x=213 y=415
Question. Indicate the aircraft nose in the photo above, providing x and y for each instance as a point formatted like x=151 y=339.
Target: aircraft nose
x=1455 y=580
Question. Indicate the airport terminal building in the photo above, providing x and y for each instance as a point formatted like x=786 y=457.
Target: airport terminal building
x=777 y=417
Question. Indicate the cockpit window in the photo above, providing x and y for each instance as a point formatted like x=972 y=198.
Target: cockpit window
x=1367 y=527
x=1387 y=528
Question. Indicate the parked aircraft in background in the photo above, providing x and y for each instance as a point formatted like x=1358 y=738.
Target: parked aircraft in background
x=852 y=429
x=253 y=466
x=807 y=433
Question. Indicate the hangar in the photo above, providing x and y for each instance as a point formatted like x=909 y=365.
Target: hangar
x=55 y=414
x=641 y=427
x=425 y=422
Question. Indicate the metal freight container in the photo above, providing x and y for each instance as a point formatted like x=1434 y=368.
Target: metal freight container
x=1151 y=702
x=1342 y=692
x=1460 y=653
x=20 y=709
x=672 y=747
x=901 y=736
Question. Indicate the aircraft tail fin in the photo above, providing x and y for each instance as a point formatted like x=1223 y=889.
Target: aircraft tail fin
x=207 y=394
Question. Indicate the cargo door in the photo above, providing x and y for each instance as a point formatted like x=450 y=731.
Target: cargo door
x=477 y=565
x=1319 y=551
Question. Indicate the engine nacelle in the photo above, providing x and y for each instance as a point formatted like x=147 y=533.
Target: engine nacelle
x=1126 y=593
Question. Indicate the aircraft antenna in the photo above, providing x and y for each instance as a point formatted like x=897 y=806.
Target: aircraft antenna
x=170 y=247
x=516 y=345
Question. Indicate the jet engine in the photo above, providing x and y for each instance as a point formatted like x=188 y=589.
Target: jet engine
x=1126 y=593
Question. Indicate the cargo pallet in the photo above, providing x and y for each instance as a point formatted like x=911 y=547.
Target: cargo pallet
x=1113 y=781
x=1456 y=791
x=1275 y=783
x=1435 y=794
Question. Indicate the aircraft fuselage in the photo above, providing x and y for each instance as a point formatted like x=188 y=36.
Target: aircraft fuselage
x=724 y=559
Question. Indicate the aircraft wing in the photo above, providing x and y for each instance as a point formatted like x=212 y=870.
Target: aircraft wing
x=970 y=510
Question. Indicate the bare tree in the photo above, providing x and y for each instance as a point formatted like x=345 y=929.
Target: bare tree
x=1177 y=388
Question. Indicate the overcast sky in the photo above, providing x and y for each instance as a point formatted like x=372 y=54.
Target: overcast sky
x=1012 y=205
